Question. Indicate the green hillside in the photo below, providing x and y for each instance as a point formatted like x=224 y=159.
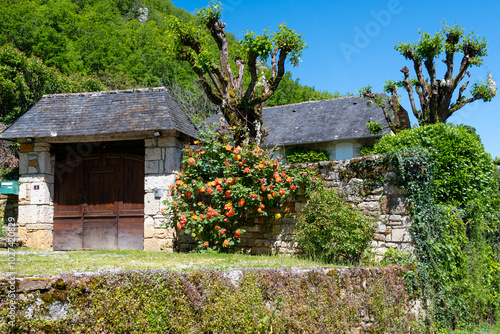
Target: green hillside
x=115 y=42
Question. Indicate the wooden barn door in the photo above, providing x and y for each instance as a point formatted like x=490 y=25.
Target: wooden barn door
x=99 y=202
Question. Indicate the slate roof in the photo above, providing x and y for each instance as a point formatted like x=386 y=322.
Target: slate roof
x=100 y=113
x=319 y=121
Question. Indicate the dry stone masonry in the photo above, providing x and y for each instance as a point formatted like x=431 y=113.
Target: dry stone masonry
x=383 y=201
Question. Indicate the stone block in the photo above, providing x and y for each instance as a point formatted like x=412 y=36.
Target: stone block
x=371 y=198
x=379 y=237
x=150 y=143
x=256 y=228
x=153 y=154
x=23 y=163
x=39 y=240
x=151 y=205
x=27 y=215
x=381 y=227
x=33 y=170
x=43 y=195
x=149 y=227
x=22 y=234
x=41 y=147
x=39 y=227
x=153 y=245
x=32 y=284
x=400 y=235
x=263 y=243
x=169 y=142
x=152 y=182
x=369 y=206
x=160 y=233
x=151 y=167
x=172 y=161
x=45 y=163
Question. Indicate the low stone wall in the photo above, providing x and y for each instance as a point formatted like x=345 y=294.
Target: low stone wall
x=381 y=200
x=376 y=297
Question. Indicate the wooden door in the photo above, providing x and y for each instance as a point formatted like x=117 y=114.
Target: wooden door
x=99 y=202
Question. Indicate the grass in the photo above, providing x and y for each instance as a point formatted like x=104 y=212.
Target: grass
x=31 y=262
x=482 y=329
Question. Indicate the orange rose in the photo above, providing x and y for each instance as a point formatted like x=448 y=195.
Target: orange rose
x=227 y=194
x=217 y=227
x=241 y=202
x=226 y=242
x=237 y=232
x=192 y=161
x=282 y=191
x=205 y=244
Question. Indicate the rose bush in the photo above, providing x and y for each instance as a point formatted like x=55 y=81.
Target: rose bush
x=221 y=185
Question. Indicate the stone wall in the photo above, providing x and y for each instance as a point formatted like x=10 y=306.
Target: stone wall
x=384 y=202
x=377 y=297
x=36 y=190
x=162 y=162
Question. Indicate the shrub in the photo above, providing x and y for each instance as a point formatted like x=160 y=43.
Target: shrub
x=463 y=168
x=221 y=185
x=331 y=230
x=303 y=155
x=457 y=266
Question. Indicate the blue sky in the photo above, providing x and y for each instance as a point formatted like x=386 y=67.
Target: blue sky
x=351 y=43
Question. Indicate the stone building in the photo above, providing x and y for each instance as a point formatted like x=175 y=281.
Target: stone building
x=95 y=168
x=335 y=126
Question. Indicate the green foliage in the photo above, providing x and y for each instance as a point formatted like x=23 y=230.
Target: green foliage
x=456 y=267
x=455 y=205
x=395 y=256
x=221 y=185
x=23 y=81
x=263 y=301
x=331 y=230
x=104 y=39
x=463 y=168
x=374 y=127
x=303 y=155
x=485 y=90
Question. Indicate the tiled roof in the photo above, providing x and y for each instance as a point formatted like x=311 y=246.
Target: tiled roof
x=97 y=113
x=319 y=121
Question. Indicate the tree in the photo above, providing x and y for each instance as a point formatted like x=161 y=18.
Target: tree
x=435 y=96
x=23 y=81
x=223 y=79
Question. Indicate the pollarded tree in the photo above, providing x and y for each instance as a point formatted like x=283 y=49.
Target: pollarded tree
x=221 y=74
x=437 y=98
